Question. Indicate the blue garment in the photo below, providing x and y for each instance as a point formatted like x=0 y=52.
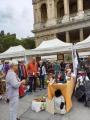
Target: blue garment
x=32 y=83
x=1 y=67
x=57 y=68
x=42 y=80
x=6 y=68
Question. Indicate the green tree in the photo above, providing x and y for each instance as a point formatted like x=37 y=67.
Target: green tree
x=28 y=43
x=8 y=40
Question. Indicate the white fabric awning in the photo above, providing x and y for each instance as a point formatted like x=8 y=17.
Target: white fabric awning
x=51 y=47
x=83 y=45
x=83 y=54
x=15 y=51
x=51 y=44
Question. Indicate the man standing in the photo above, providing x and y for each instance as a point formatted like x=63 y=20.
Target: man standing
x=22 y=73
x=42 y=72
x=12 y=84
x=32 y=70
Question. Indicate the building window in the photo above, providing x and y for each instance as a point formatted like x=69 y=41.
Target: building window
x=74 y=36
x=86 y=32
x=73 y=6
x=86 y=4
x=43 y=13
x=61 y=36
x=60 y=9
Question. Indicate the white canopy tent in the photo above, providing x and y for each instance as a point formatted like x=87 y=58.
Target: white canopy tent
x=51 y=44
x=12 y=52
x=84 y=54
x=51 y=47
x=49 y=57
x=83 y=45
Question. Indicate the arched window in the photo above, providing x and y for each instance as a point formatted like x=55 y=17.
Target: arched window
x=86 y=4
x=60 y=9
x=43 y=13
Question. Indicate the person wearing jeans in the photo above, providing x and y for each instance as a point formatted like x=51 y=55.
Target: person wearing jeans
x=32 y=83
x=42 y=72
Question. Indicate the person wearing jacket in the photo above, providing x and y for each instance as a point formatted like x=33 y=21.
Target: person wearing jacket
x=22 y=72
x=32 y=70
x=42 y=72
x=12 y=85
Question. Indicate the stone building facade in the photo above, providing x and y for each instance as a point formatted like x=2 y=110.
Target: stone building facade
x=68 y=20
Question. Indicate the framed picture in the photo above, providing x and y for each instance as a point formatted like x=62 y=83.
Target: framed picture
x=60 y=56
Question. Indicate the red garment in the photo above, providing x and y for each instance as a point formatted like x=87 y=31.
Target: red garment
x=21 y=91
x=24 y=70
x=32 y=69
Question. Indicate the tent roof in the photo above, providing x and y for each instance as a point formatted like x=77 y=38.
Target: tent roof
x=83 y=45
x=51 y=44
x=82 y=54
x=15 y=51
x=50 y=47
x=84 y=41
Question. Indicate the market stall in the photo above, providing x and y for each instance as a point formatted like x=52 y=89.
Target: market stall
x=13 y=52
x=50 y=47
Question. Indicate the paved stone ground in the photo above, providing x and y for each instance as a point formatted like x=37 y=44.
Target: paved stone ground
x=24 y=104
x=78 y=112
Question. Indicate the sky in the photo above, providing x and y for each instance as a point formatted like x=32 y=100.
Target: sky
x=16 y=16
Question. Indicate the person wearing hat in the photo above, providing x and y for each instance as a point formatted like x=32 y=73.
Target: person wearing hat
x=12 y=85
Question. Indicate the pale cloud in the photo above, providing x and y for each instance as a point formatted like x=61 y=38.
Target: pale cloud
x=16 y=16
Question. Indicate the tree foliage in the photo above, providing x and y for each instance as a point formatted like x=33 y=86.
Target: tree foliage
x=8 y=40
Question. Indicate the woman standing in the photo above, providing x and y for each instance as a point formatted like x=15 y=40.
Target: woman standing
x=12 y=84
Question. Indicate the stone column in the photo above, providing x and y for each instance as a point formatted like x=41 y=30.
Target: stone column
x=66 y=11
x=34 y=11
x=80 y=13
x=81 y=34
x=51 y=12
x=67 y=37
x=37 y=17
x=38 y=13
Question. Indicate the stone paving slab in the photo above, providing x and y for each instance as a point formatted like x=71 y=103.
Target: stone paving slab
x=24 y=104
x=78 y=112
